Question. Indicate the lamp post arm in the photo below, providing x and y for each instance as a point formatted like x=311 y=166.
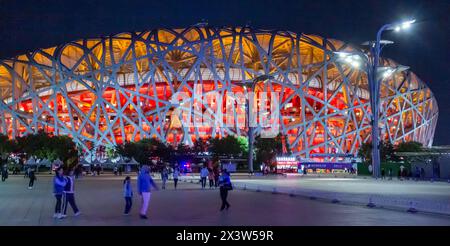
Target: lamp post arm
x=377 y=48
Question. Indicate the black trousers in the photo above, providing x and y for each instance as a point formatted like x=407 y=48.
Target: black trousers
x=31 y=183
x=3 y=178
x=58 y=203
x=128 y=204
x=203 y=182
x=211 y=183
x=175 y=182
x=69 y=198
x=223 y=196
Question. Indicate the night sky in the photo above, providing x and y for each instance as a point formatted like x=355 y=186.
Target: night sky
x=28 y=25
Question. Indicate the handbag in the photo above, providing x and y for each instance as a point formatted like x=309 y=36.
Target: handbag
x=228 y=186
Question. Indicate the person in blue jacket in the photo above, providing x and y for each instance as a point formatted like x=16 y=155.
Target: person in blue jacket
x=144 y=184
x=128 y=194
x=59 y=182
x=164 y=177
x=69 y=195
x=225 y=185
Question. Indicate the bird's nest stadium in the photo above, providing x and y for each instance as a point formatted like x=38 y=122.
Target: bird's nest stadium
x=107 y=90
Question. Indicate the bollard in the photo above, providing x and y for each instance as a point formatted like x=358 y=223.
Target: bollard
x=371 y=204
x=257 y=189
x=335 y=200
x=431 y=180
x=245 y=187
x=274 y=191
x=412 y=208
x=292 y=194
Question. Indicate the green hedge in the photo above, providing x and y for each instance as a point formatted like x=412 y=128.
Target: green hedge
x=363 y=168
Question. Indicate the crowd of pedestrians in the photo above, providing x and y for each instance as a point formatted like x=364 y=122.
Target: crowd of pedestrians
x=64 y=187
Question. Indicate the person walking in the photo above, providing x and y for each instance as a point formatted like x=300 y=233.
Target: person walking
x=59 y=182
x=144 y=184
x=175 y=175
x=382 y=173
x=77 y=171
x=390 y=173
x=32 y=177
x=417 y=173
x=26 y=173
x=128 y=194
x=120 y=170
x=69 y=195
x=164 y=177
x=225 y=186
x=115 y=170
x=203 y=174
x=216 y=176
x=211 y=178
x=4 y=173
x=422 y=173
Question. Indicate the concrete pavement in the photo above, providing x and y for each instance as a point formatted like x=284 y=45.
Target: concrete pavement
x=100 y=200
x=425 y=196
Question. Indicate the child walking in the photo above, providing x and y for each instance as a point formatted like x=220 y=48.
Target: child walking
x=128 y=194
x=32 y=177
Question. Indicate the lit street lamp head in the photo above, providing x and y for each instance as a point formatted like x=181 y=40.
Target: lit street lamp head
x=401 y=26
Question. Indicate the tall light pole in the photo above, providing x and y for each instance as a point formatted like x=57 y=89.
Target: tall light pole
x=375 y=75
x=374 y=86
x=250 y=133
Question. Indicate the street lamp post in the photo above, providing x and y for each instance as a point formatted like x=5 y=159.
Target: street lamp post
x=375 y=75
x=374 y=87
x=250 y=132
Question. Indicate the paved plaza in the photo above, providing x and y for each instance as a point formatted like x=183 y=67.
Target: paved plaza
x=100 y=200
x=424 y=196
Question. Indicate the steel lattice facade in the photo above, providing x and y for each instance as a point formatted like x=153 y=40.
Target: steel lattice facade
x=106 y=90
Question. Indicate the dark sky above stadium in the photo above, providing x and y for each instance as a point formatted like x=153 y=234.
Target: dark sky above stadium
x=28 y=25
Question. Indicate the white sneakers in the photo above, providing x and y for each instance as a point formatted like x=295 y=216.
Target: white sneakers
x=62 y=216
x=59 y=216
x=30 y=188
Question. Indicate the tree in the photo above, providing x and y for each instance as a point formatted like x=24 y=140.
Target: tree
x=386 y=151
x=111 y=152
x=44 y=146
x=183 y=153
x=229 y=146
x=365 y=152
x=413 y=151
x=140 y=151
x=6 y=145
x=411 y=146
x=200 y=146
x=267 y=149
x=143 y=150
